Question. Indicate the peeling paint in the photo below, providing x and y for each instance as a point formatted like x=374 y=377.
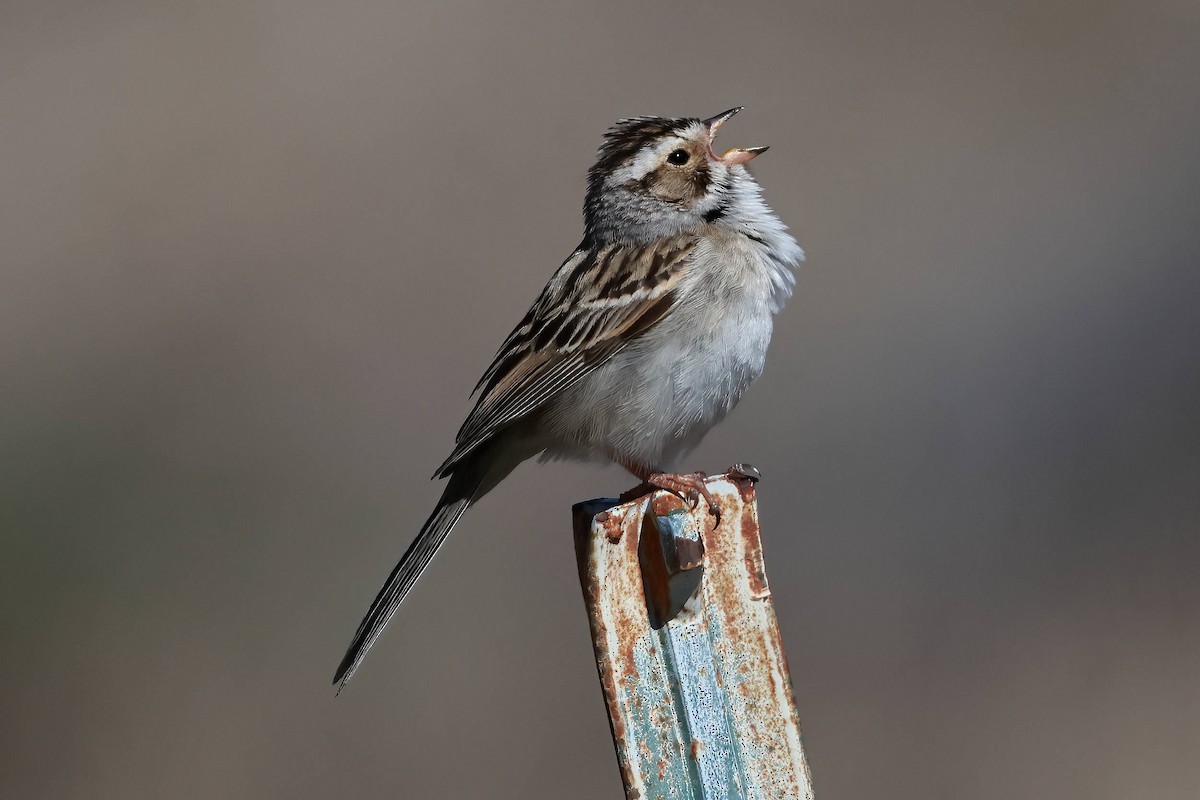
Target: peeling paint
x=687 y=645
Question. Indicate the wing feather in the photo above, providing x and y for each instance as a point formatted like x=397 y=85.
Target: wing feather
x=598 y=302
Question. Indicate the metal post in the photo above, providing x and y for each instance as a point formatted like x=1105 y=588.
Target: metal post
x=687 y=646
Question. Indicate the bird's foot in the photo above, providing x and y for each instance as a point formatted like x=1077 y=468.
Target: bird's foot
x=687 y=486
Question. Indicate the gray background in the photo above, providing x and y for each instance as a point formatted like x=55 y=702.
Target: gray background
x=255 y=255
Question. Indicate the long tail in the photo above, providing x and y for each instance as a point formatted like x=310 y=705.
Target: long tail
x=414 y=561
x=471 y=480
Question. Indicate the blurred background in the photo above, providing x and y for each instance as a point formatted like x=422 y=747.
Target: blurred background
x=253 y=256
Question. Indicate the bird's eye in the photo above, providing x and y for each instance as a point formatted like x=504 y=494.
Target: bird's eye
x=678 y=157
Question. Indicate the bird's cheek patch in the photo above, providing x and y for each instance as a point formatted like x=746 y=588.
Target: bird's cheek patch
x=680 y=186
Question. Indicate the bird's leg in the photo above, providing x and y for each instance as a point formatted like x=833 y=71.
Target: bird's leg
x=687 y=486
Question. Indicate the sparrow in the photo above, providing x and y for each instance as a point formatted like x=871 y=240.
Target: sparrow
x=645 y=337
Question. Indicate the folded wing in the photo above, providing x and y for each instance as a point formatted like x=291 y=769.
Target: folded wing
x=601 y=299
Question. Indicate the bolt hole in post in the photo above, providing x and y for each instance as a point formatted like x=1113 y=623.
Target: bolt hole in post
x=687 y=647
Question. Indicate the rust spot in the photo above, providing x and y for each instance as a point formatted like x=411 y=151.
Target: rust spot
x=628 y=634
x=759 y=589
x=663 y=503
x=628 y=624
x=614 y=533
x=697 y=749
x=690 y=552
x=615 y=717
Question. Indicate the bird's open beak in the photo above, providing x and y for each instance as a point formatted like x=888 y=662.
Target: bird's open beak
x=735 y=155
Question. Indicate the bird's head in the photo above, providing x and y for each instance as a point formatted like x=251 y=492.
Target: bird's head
x=658 y=176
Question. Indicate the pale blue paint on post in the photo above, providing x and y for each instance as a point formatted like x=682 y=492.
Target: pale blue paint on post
x=700 y=701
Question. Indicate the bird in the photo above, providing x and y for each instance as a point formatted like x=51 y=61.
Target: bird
x=644 y=338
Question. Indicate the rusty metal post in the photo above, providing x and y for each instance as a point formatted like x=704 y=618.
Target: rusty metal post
x=687 y=646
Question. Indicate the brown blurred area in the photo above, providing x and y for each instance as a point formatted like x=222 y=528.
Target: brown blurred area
x=254 y=256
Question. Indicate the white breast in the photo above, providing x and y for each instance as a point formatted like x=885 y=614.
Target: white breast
x=656 y=399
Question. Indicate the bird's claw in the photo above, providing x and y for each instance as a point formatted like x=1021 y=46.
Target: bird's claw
x=688 y=487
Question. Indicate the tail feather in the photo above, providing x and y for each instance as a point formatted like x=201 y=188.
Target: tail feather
x=414 y=561
x=471 y=480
